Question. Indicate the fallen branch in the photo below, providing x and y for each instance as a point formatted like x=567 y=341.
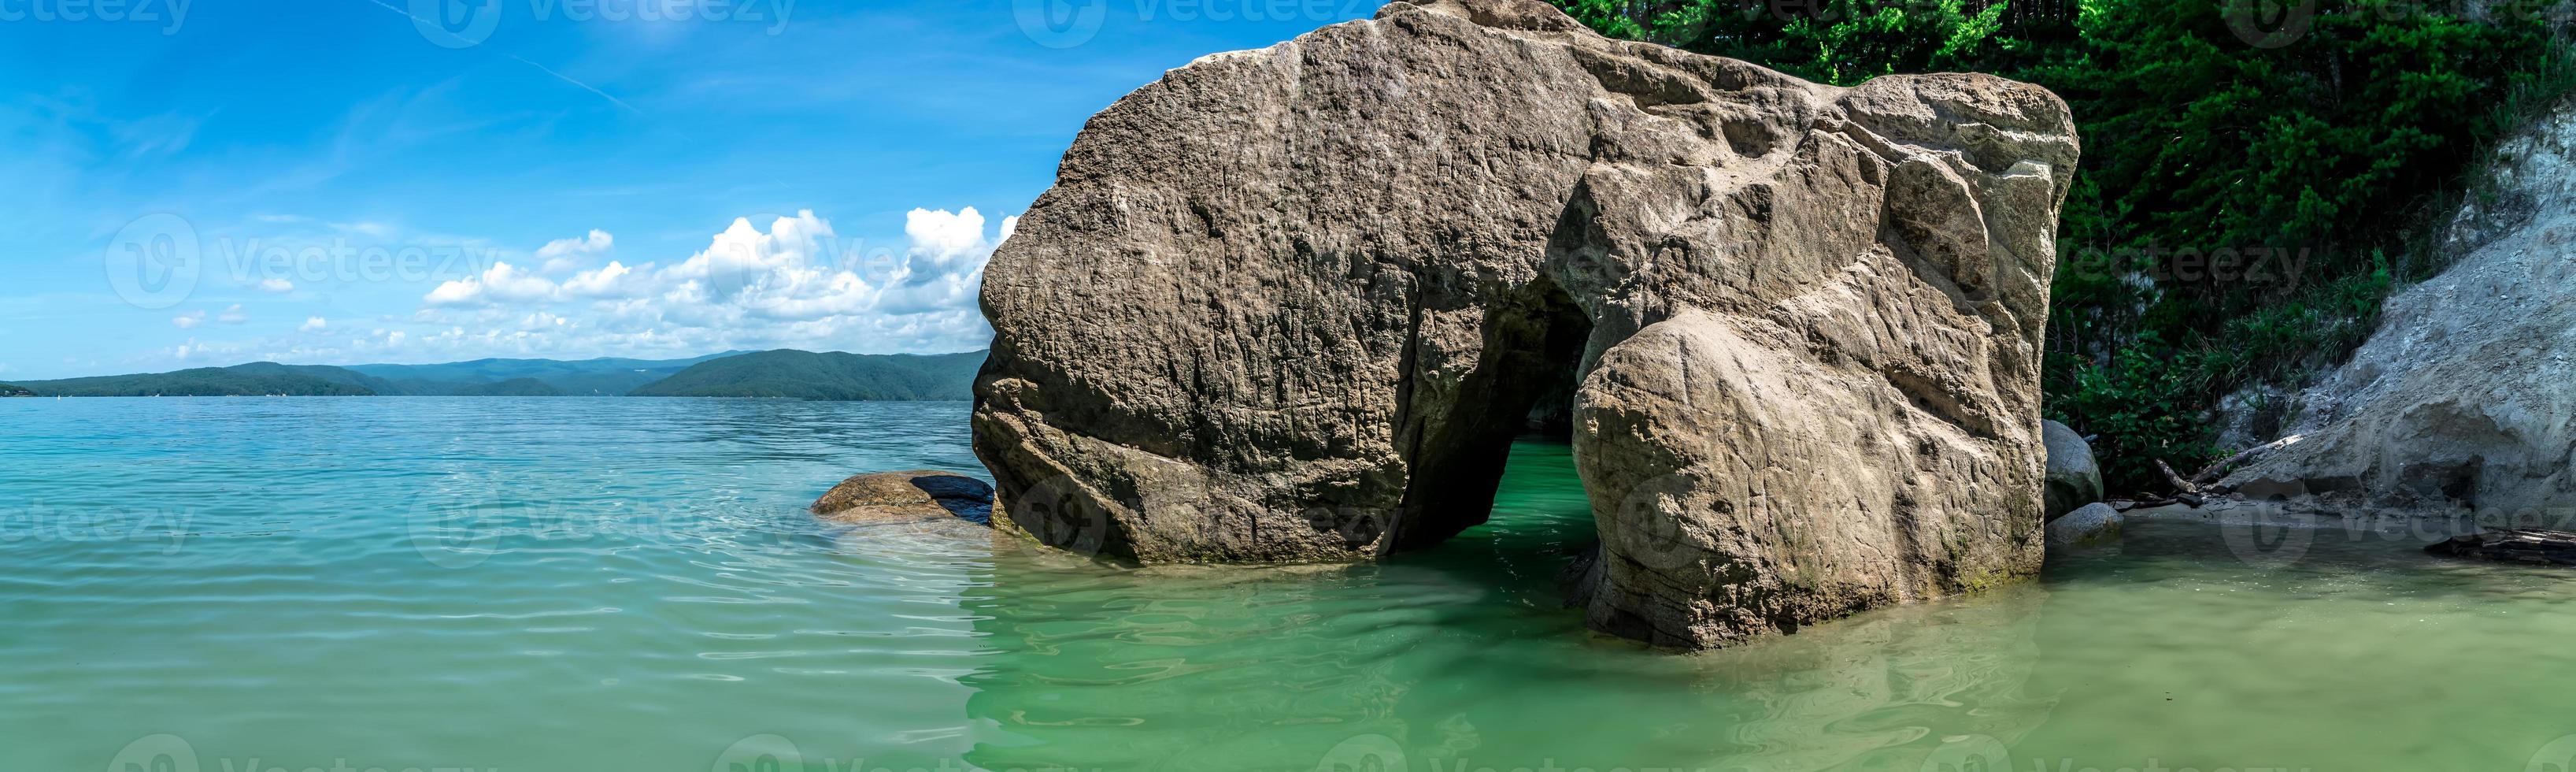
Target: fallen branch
x=2180 y=486
x=2212 y=473
x=2192 y=500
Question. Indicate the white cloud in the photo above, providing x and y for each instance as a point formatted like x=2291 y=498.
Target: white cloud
x=612 y=280
x=188 y=321
x=277 y=285
x=501 y=283
x=234 y=315
x=791 y=282
x=562 y=255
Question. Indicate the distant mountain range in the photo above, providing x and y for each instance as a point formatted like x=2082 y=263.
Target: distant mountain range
x=606 y=377
x=831 y=376
x=771 y=374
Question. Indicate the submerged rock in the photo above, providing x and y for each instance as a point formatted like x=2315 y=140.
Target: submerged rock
x=2088 y=524
x=2466 y=396
x=905 y=497
x=1293 y=304
x=2074 y=480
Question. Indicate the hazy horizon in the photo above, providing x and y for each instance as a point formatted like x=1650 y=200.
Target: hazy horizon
x=569 y=360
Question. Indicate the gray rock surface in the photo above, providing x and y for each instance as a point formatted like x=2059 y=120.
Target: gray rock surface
x=2466 y=396
x=1293 y=304
x=2074 y=480
x=2089 y=524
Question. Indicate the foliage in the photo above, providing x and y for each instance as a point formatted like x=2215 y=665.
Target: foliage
x=2209 y=125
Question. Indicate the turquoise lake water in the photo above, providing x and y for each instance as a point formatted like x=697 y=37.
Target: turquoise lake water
x=632 y=584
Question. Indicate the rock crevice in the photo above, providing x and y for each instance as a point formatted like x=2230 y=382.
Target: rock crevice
x=1293 y=305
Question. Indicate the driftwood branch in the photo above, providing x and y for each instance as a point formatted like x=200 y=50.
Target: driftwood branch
x=2211 y=474
x=2518 y=545
x=2186 y=499
x=2179 y=485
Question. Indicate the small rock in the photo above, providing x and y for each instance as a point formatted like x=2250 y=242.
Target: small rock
x=2088 y=524
x=906 y=497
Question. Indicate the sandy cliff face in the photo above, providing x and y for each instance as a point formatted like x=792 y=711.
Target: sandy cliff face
x=2467 y=394
x=1293 y=304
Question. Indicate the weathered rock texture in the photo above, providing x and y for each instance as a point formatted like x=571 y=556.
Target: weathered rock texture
x=905 y=497
x=1293 y=304
x=2466 y=396
x=2074 y=479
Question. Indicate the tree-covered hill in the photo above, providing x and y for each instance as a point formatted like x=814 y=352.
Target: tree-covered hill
x=789 y=374
x=515 y=387
x=250 y=380
x=606 y=377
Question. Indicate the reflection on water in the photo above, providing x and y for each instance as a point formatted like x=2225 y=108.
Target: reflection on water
x=1464 y=656
x=633 y=585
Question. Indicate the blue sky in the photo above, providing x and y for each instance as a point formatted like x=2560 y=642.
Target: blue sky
x=349 y=181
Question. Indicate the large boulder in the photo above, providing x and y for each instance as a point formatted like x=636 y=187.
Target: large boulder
x=2074 y=480
x=1294 y=304
x=2466 y=395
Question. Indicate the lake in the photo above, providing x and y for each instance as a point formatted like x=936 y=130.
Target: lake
x=633 y=584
